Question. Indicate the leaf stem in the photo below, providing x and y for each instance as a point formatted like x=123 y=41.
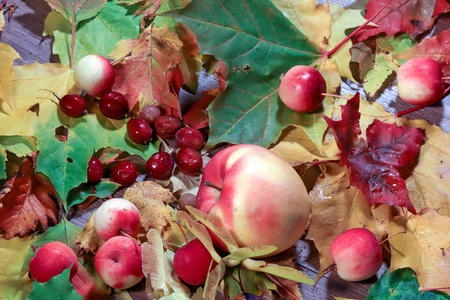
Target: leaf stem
x=121 y=58
x=3 y=4
x=237 y=281
x=72 y=47
x=274 y=280
x=182 y=231
x=334 y=95
x=399 y=114
x=390 y=237
x=319 y=162
x=421 y=289
x=351 y=35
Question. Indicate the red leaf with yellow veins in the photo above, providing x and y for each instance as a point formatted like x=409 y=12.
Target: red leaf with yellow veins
x=373 y=162
x=29 y=204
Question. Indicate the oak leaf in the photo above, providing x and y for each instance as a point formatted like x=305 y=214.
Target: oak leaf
x=424 y=247
x=142 y=76
x=373 y=163
x=30 y=204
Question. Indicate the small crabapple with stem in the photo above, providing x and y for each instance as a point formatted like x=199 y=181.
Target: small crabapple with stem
x=117 y=216
x=95 y=170
x=420 y=82
x=113 y=105
x=72 y=105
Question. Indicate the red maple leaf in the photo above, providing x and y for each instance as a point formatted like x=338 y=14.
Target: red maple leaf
x=28 y=205
x=409 y=16
x=373 y=162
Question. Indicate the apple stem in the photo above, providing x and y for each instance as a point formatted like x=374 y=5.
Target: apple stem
x=334 y=95
x=72 y=47
x=399 y=114
x=445 y=78
x=274 y=280
x=182 y=231
x=210 y=184
x=421 y=289
x=447 y=90
x=129 y=236
x=54 y=94
x=319 y=162
x=390 y=237
x=121 y=58
x=336 y=48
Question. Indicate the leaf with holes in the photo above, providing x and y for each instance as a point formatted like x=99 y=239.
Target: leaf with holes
x=244 y=35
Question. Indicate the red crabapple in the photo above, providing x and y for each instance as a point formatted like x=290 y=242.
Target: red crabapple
x=124 y=173
x=302 y=89
x=118 y=262
x=117 y=216
x=113 y=105
x=192 y=262
x=51 y=260
x=189 y=137
x=95 y=170
x=160 y=165
x=167 y=126
x=419 y=82
x=139 y=131
x=94 y=74
x=356 y=254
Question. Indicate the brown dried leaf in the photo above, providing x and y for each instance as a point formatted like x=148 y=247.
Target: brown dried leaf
x=424 y=247
x=88 y=239
x=29 y=205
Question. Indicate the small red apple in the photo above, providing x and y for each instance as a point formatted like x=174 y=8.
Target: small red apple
x=419 y=81
x=118 y=262
x=192 y=262
x=256 y=195
x=356 y=254
x=115 y=216
x=51 y=260
x=302 y=89
x=94 y=74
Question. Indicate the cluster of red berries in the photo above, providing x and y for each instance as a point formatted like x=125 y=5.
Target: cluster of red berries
x=95 y=76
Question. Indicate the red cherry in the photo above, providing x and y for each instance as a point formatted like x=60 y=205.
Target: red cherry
x=124 y=173
x=167 y=126
x=113 y=105
x=95 y=170
x=189 y=161
x=139 y=131
x=189 y=137
x=73 y=105
x=160 y=165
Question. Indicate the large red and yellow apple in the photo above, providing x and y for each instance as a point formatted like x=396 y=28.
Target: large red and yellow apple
x=256 y=195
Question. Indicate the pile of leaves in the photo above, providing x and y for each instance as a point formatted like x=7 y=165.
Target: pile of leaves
x=363 y=167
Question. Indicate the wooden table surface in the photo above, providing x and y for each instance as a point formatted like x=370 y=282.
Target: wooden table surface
x=24 y=33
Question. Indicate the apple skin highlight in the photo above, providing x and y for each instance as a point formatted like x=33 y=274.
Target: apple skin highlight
x=262 y=200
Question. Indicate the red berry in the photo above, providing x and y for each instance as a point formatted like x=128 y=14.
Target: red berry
x=189 y=161
x=124 y=173
x=167 y=126
x=113 y=105
x=139 y=131
x=150 y=113
x=160 y=165
x=73 y=105
x=189 y=137
x=95 y=170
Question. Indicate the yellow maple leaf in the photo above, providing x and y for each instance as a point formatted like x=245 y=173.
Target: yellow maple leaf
x=424 y=247
x=429 y=182
x=7 y=57
x=30 y=97
x=14 y=283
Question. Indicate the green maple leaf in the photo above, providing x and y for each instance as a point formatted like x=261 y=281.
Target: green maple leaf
x=84 y=9
x=401 y=284
x=79 y=194
x=66 y=162
x=57 y=288
x=97 y=35
x=259 y=44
